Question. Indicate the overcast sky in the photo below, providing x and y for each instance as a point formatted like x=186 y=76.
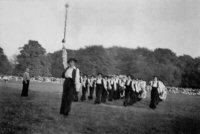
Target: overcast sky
x=173 y=24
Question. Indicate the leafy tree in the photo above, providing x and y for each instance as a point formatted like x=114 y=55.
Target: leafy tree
x=33 y=55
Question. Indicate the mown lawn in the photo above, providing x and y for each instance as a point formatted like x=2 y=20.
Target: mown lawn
x=39 y=114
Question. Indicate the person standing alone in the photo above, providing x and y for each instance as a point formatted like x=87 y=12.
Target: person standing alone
x=154 y=92
x=26 y=80
x=71 y=83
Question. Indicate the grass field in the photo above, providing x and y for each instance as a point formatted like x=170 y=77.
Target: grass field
x=39 y=114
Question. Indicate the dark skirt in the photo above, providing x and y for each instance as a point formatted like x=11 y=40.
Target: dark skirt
x=117 y=93
x=111 y=93
x=154 y=98
x=127 y=98
x=75 y=96
x=99 y=90
x=84 y=90
x=104 y=95
x=25 y=88
x=67 y=96
x=91 y=93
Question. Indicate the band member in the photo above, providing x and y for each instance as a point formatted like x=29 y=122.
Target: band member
x=142 y=89
x=117 y=91
x=162 y=91
x=91 y=87
x=26 y=80
x=99 y=88
x=134 y=93
x=84 y=87
x=122 y=88
x=111 y=89
x=154 y=93
x=105 y=90
x=138 y=90
x=128 y=91
x=71 y=83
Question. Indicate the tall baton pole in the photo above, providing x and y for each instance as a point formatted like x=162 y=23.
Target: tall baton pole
x=63 y=41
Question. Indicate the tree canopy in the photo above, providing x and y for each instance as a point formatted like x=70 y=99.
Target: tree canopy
x=5 y=66
x=142 y=63
x=33 y=56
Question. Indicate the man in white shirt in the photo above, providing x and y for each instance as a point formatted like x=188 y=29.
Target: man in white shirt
x=71 y=75
x=26 y=80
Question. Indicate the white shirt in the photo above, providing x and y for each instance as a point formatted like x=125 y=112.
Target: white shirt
x=105 y=84
x=68 y=73
x=91 y=82
x=26 y=76
x=134 y=85
x=109 y=84
x=84 y=82
x=114 y=81
x=154 y=84
x=128 y=82
x=99 y=81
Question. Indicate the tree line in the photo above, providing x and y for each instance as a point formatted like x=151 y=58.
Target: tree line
x=141 y=63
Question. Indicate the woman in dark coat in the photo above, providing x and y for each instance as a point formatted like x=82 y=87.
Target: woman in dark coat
x=154 y=93
x=26 y=80
x=72 y=82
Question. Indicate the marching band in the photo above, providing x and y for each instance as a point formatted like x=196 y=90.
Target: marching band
x=109 y=88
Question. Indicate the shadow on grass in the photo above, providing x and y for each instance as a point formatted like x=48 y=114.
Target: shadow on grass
x=186 y=125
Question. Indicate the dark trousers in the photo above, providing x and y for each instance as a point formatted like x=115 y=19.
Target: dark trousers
x=116 y=94
x=111 y=93
x=84 y=90
x=139 y=94
x=104 y=95
x=154 y=98
x=128 y=96
x=67 y=96
x=91 y=93
x=25 y=88
x=99 y=90
x=75 y=96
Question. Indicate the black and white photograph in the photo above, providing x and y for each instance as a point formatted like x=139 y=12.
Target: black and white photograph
x=99 y=66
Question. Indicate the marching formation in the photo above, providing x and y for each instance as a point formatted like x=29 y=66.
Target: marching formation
x=110 y=88
x=105 y=88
